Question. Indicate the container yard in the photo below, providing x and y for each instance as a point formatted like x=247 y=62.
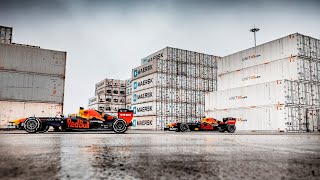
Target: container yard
x=32 y=80
x=273 y=86
x=169 y=86
x=110 y=96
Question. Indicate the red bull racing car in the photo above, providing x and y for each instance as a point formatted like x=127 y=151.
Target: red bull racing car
x=85 y=120
x=206 y=124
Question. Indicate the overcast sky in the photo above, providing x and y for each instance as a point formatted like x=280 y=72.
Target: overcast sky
x=106 y=39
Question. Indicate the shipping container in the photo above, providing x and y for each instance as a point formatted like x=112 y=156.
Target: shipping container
x=31 y=87
x=290 y=68
x=145 y=109
x=294 y=45
x=93 y=100
x=271 y=118
x=100 y=85
x=14 y=110
x=145 y=69
x=146 y=122
x=29 y=59
x=281 y=92
x=161 y=54
x=5 y=35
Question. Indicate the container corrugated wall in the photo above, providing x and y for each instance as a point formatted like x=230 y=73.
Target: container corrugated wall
x=5 y=35
x=32 y=81
x=169 y=87
x=16 y=110
x=246 y=82
x=110 y=96
x=29 y=59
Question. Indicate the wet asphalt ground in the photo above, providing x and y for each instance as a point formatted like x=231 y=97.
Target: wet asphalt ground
x=159 y=155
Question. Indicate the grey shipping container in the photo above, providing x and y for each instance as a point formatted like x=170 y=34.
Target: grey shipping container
x=30 y=59
x=17 y=86
x=5 y=35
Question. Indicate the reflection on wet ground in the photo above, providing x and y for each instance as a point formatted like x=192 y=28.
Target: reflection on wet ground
x=159 y=156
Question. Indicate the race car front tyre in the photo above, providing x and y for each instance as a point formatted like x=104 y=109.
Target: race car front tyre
x=32 y=125
x=184 y=127
x=119 y=126
x=231 y=128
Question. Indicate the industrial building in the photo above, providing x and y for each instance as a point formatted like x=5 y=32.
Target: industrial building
x=32 y=80
x=273 y=86
x=110 y=96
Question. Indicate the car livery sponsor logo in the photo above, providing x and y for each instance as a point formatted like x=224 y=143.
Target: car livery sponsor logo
x=237 y=97
x=250 y=78
x=251 y=57
x=77 y=124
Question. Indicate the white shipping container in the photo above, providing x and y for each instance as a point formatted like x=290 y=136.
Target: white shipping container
x=145 y=69
x=279 y=92
x=286 y=47
x=31 y=87
x=145 y=109
x=260 y=118
x=93 y=100
x=14 y=110
x=5 y=35
x=143 y=96
x=100 y=85
x=161 y=54
x=145 y=122
x=29 y=59
x=289 y=68
x=148 y=81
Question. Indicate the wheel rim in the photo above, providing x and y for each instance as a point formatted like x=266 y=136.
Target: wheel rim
x=31 y=125
x=119 y=126
x=231 y=128
x=184 y=128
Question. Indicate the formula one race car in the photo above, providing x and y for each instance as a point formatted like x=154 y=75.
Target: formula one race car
x=86 y=119
x=206 y=124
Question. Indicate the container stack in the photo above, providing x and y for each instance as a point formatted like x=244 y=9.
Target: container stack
x=110 y=95
x=128 y=94
x=5 y=35
x=32 y=80
x=273 y=86
x=169 y=87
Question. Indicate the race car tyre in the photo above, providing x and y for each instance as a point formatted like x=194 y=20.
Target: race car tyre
x=231 y=128
x=119 y=126
x=44 y=128
x=184 y=127
x=32 y=125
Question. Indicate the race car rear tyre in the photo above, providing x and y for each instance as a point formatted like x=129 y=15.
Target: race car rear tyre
x=119 y=126
x=231 y=128
x=44 y=128
x=32 y=125
x=184 y=127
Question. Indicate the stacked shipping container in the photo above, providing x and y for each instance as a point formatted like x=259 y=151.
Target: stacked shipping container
x=110 y=95
x=276 y=83
x=169 y=86
x=32 y=81
x=5 y=35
